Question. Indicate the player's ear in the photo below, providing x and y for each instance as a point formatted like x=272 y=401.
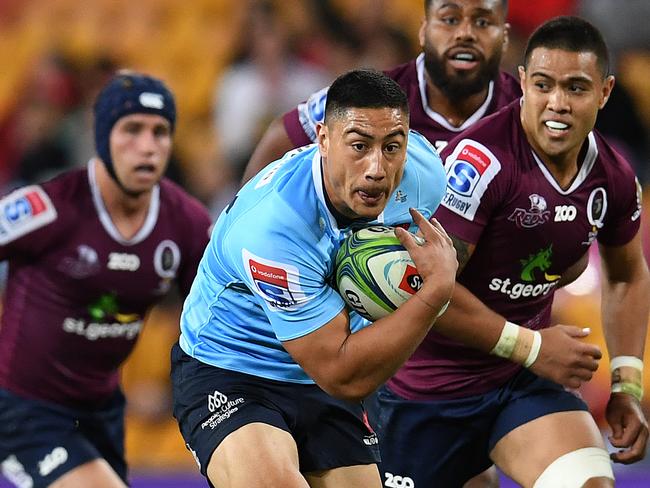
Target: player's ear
x=322 y=136
x=608 y=86
x=422 y=32
x=522 y=77
x=506 y=36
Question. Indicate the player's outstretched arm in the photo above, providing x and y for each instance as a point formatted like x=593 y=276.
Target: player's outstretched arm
x=351 y=366
x=556 y=353
x=274 y=143
x=625 y=309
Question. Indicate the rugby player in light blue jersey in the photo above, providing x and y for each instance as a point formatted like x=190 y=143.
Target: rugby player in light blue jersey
x=271 y=367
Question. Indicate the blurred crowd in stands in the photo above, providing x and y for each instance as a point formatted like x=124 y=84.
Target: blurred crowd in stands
x=234 y=65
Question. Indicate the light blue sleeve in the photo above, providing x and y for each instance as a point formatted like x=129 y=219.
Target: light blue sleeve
x=432 y=180
x=284 y=264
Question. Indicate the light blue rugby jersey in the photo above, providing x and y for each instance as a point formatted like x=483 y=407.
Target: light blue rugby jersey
x=264 y=276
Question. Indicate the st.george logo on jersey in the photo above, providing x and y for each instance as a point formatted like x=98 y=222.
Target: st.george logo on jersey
x=470 y=168
x=24 y=211
x=278 y=283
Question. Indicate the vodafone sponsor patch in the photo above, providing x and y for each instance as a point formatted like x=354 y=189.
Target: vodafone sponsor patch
x=278 y=283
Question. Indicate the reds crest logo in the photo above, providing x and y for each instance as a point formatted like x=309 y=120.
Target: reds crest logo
x=536 y=215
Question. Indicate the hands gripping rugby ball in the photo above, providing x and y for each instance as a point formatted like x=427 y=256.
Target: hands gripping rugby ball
x=374 y=272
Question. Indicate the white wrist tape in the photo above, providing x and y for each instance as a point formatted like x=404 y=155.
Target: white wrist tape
x=534 y=350
x=629 y=361
x=507 y=341
x=518 y=344
x=627 y=376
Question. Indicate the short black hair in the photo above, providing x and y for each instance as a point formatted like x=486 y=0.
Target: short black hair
x=427 y=4
x=364 y=88
x=572 y=34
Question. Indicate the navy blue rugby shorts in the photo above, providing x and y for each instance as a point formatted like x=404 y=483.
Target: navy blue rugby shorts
x=210 y=403
x=41 y=441
x=445 y=443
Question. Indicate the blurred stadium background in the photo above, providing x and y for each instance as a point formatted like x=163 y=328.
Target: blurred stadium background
x=234 y=65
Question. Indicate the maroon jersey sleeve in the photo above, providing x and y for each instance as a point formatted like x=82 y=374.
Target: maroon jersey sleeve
x=477 y=180
x=33 y=218
x=301 y=122
x=294 y=129
x=470 y=197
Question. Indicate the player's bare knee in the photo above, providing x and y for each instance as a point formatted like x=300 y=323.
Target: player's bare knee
x=589 y=467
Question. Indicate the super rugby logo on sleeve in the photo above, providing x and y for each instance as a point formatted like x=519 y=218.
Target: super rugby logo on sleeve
x=470 y=168
x=24 y=211
x=313 y=111
x=277 y=283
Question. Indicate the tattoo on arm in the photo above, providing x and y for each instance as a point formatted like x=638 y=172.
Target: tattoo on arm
x=463 y=252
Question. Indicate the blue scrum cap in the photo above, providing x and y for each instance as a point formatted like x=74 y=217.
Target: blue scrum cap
x=128 y=92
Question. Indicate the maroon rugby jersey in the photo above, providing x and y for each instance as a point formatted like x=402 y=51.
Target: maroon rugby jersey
x=300 y=123
x=527 y=232
x=77 y=292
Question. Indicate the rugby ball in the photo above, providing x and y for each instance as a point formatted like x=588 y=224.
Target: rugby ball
x=374 y=272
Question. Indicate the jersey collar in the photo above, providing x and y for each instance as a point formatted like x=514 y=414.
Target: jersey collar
x=317 y=177
x=105 y=217
x=585 y=167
